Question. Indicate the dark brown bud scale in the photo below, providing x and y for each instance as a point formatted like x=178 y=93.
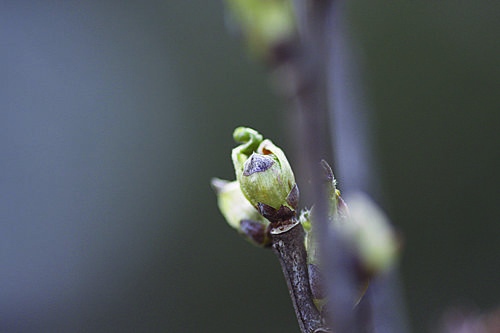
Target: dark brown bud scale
x=255 y=231
x=275 y=215
x=293 y=197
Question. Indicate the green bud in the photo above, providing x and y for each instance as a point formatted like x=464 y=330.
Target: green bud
x=262 y=181
x=239 y=213
x=232 y=204
x=265 y=23
x=338 y=217
x=336 y=211
x=331 y=189
x=369 y=232
x=264 y=174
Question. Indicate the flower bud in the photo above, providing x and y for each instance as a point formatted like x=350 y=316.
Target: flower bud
x=264 y=174
x=330 y=187
x=264 y=23
x=261 y=181
x=232 y=204
x=370 y=234
x=239 y=213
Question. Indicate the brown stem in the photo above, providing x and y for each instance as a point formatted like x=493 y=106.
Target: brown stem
x=288 y=245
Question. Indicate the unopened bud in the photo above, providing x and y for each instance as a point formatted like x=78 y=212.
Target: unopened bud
x=330 y=186
x=369 y=232
x=232 y=203
x=239 y=213
x=263 y=181
x=264 y=174
x=265 y=23
x=256 y=232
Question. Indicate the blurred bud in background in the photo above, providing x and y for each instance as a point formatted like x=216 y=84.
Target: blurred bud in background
x=365 y=229
x=266 y=24
x=370 y=234
x=459 y=320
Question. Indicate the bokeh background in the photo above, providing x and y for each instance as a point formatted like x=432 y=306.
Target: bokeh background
x=114 y=115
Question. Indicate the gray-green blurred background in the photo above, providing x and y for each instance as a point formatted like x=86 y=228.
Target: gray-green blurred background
x=114 y=115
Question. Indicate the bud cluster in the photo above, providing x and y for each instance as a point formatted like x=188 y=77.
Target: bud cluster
x=264 y=191
x=264 y=200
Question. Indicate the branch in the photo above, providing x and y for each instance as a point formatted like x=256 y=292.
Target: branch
x=311 y=100
x=288 y=245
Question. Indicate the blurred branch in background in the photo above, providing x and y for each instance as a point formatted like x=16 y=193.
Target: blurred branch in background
x=350 y=115
x=325 y=50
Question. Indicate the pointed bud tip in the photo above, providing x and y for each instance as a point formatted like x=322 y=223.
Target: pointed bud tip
x=218 y=184
x=328 y=173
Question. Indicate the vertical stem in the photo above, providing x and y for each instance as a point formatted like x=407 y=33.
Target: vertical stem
x=356 y=164
x=288 y=245
x=311 y=99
